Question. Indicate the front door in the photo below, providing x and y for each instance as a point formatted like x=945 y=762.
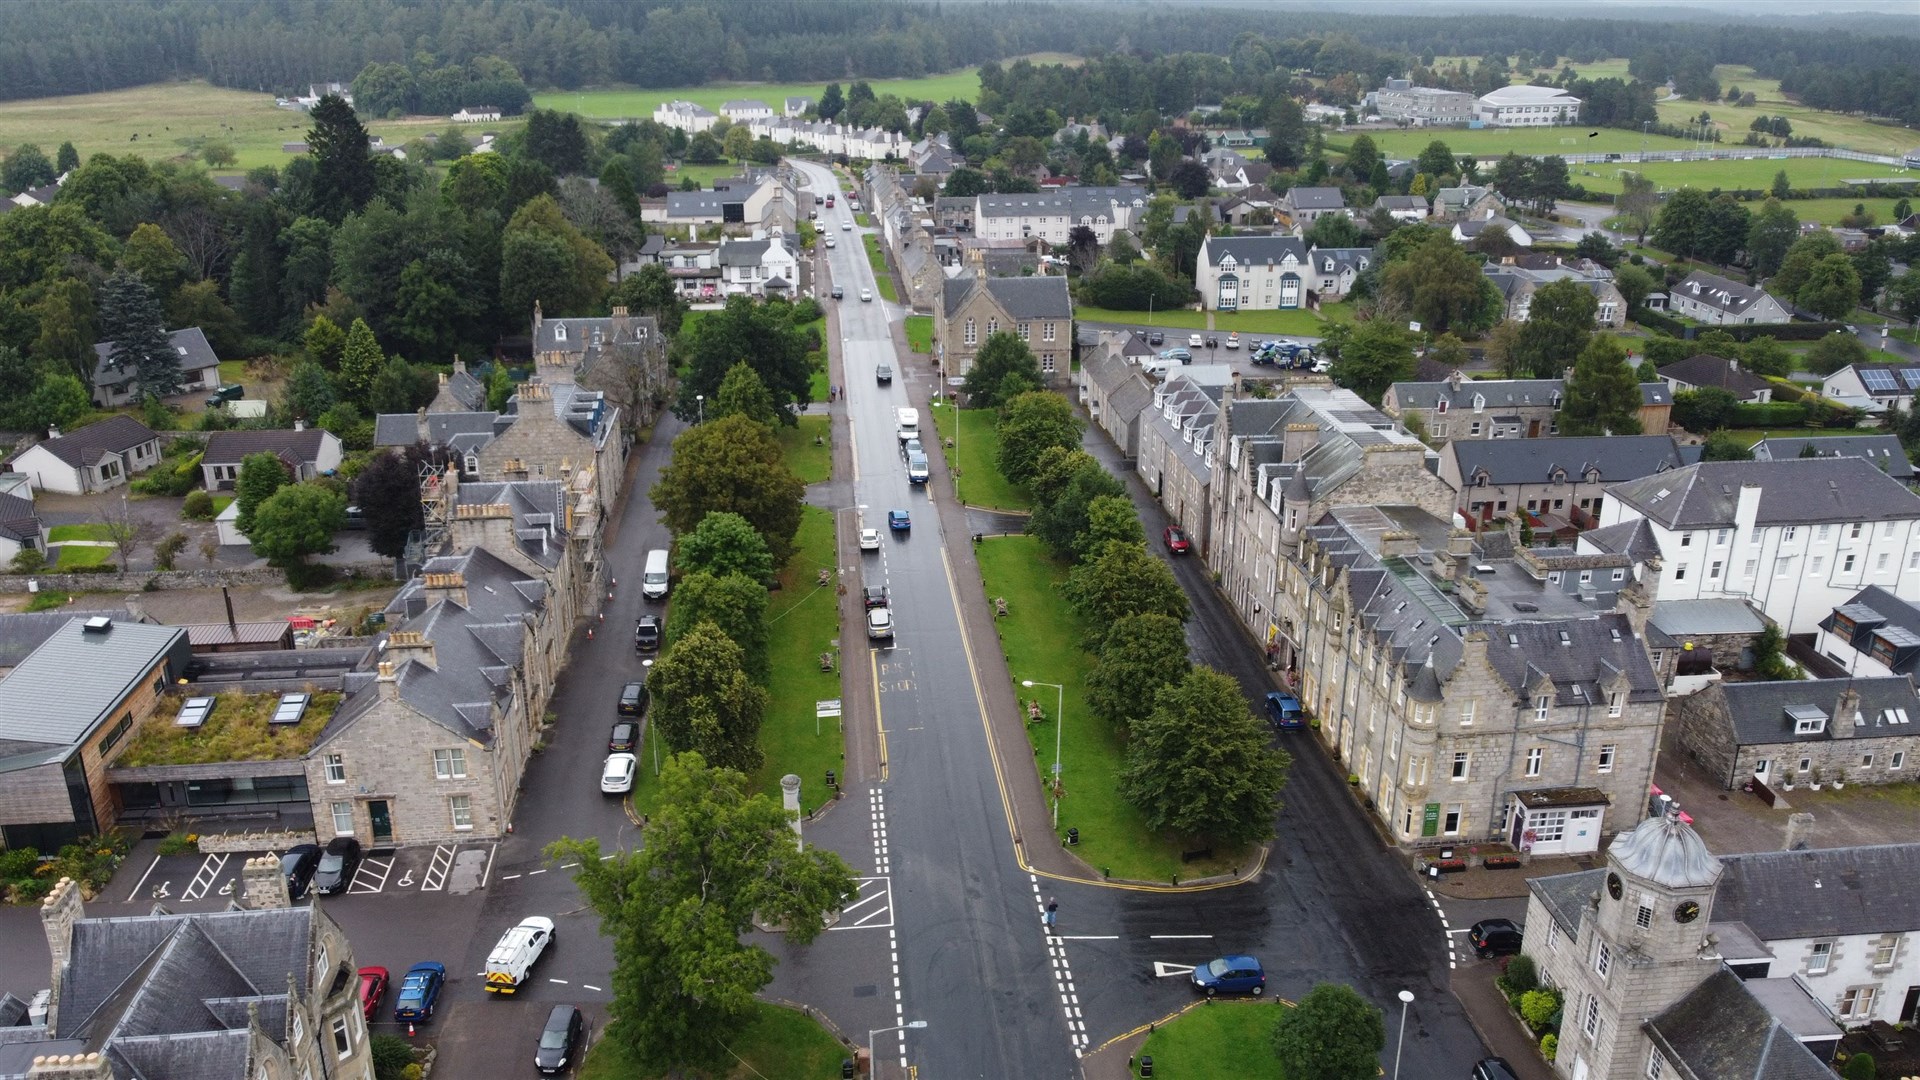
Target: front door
x=1910 y=1010
x=382 y=821
x=1533 y=429
x=1579 y=1068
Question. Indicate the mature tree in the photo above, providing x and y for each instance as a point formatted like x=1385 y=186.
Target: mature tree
x=1835 y=351
x=1638 y=202
x=1123 y=579
x=1286 y=133
x=27 y=167
x=1430 y=278
x=130 y=321
x=1333 y=1033
x=1727 y=226
x=1766 y=356
x=1559 y=325
x=965 y=183
x=1333 y=231
x=127 y=530
x=1190 y=179
x=1064 y=517
x=743 y=394
x=1199 y=765
x=704 y=701
x=198 y=303
x=309 y=392
x=1903 y=295
x=1110 y=519
x=1704 y=410
x=401 y=388
x=360 y=362
x=1683 y=223
x=1376 y=355
x=1724 y=445
x=544 y=258
x=261 y=475
x=343 y=170
x=734 y=603
x=1603 y=394
x=1832 y=288
x=1875 y=270
x=761 y=335
x=1772 y=231
x=704 y=149
x=726 y=543
x=1502 y=350
x=1436 y=160
x=1140 y=655
x=68 y=159
x=66 y=316
x=1002 y=370
x=600 y=217
x=387 y=491
x=650 y=291
x=832 y=101
x=1635 y=284
x=1083 y=247
x=732 y=464
x=556 y=140
x=1797 y=266
x=1362 y=156
x=1034 y=421
x=296 y=521
x=152 y=254
x=718 y=859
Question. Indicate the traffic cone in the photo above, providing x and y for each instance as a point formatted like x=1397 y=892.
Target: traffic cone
x=589 y=633
x=409 y=1029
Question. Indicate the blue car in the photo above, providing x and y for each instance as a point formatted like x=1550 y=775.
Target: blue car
x=419 y=991
x=1284 y=712
x=898 y=521
x=1230 y=975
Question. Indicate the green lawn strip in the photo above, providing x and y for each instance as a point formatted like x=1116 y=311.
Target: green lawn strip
x=920 y=333
x=1225 y=1040
x=802 y=622
x=704 y=174
x=635 y=104
x=88 y=531
x=233 y=371
x=772 y=1041
x=71 y=555
x=1041 y=639
x=810 y=462
x=1296 y=321
x=976 y=459
x=878 y=260
x=861 y=219
x=1749 y=436
x=220 y=503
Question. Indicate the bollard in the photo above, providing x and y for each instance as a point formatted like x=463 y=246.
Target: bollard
x=589 y=633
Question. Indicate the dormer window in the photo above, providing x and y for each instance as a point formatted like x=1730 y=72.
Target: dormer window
x=559 y=331
x=1807 y=719
x=1479 y=403
x=1442 y=406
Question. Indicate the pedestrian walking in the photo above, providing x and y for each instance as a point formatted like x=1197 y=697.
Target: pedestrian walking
x=1053 y=912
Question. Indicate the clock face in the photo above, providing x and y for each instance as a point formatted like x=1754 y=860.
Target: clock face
x=1688 y=911
x=1613 y=886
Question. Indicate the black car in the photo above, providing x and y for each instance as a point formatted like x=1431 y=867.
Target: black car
x=298 y=864
x=633 y=699
x=876 y=596
x=646 y=634
x=621 y=739
x=1213 y=342
x=883 y=373
x=1493 y=1069
x=560 y=1040
x=337 y=866
x=839 y=293
x=1495 y=937
x=1155 y=337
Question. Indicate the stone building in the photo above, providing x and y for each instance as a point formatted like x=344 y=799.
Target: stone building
x=1115 y=391
x=1177 y=444
x=459 y=392
x=1562 y=481
x=974 y=307
x=558 y=430
x=1850 y=731
x=623 y=356
x=1873 y=633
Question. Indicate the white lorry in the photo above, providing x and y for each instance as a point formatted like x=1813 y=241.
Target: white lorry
x=511 y=961
x=907 y=424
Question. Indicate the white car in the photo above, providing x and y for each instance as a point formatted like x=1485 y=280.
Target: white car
x=866 y=296
x=846 y=225
x=1322 y=366
x=869 y=539
x=1195 y=341
x=616 y=776
x=1233 y=341
x=831 y=243
x=880 y=623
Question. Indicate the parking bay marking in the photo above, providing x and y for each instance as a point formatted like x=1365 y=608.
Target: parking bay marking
x=876 y=896
x=204 y=877
x=372 y=876
x=435 y=877
x=1167 y=971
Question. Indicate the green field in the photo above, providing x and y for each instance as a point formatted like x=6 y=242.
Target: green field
x=920 y=333
x=772 y=1041
x=811 y=461
x=1838 y=129
x=705 y=175
x=615 y=103
x=1493 y=142
x=169 y=121
x=882 y=277
x=1297 y=322
x=976 y=472
x=1222 y=1040
x=1754 y=174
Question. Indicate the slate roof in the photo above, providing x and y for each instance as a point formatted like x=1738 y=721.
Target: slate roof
x=1494 y=393
x=18 y=521
x=1256 y=250
x=1877 y=613
x=233 y=447
x=1316 y=198
x=470 y=392
x=585 y=338
x=1074 y=202
x=1884 y=451
x=1473 y=227
x=1565 y=896
x=191 y=345
x=1655 y=393
x=1722 y=1032
x=539 y=513
x=700 y=204
x=1821 y=892
x=1794 y=492
x=86 y=446
x=1033 y=297
x=1401 y=202
x=464 y=431
x=1125 y=390
x=1633 y=539
x=21 y=632
x=743 y=252
x=1706 y=369
x=1535 y=461
x=1714 y=291
x=1348 y=425
x=1759 y=710
x=1335 y=260
x=68 y=685
x=1690 y=618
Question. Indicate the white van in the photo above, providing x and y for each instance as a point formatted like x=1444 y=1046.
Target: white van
x=907 y=424
x=653 y=583
x=511 y=960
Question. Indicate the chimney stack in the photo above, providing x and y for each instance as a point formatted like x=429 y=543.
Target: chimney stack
x=265 y=885
x=53 y=431
x=71 y=1067
x=412 y=643
x=1841 y=726
x=58 y=912
x=299 y=424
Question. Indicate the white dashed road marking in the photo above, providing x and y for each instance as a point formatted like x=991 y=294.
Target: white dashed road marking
x=1062 y=975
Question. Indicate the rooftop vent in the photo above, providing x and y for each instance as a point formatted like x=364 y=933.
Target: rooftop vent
x=99 y=624
x=1483 y=568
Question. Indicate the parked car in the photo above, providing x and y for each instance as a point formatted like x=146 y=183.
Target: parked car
x=1230 y=975
x=560 y=1039
x=869 y=539
x=1284 y=711
x=226 y=392
x=298 y=864
x=898 y=521
x=1185 y=356
x=1155 y=337
x=1322 y=366
x=1212 y=342
x=337 y=866
x=880 y=623
x=1495 y=937
x=1195 y=341
x=1176 y=539
x=1493 y=1069
x=911 y=447
x=622 y=737
x=616 y=774
x=373 y=987
x=419 y=991
x=646 y=633
x=874 y=596
x=1233 y=341
x=633 y=699
x=883 y=374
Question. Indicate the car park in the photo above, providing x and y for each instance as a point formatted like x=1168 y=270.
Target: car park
x=869 y=539
x=898 y=521
x=874 y=596
x=880 y=623
x=646 y=633
x=633 y=699
x=1495 y=937
x=622 y=737
x=373 y=987
x=419 y=991
x=616 y=774
x=560 y=1039
x=1176 y=538
x=866 y=296
x=883 y=374
x=1284 y=711
x=299 y=863
x=337 y=865
x=1230 y=975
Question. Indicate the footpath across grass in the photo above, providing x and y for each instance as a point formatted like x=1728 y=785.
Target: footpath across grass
x=1041 y=640
x=811 y=461
x=975 y=461
x=1226 y=1040
x=773 y=1041
x=882 y=278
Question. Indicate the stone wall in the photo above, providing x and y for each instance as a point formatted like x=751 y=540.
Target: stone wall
x=176 y=579
x=266 y=840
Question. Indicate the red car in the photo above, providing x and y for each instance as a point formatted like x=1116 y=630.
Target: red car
x=373 y=987
x=1177 y=540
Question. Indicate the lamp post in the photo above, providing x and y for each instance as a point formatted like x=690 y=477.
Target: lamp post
x=701 y=401
x=1059 y=724
x=911 y=1025
x=1406 y=999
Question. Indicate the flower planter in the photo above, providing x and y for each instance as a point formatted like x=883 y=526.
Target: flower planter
x=1502 y=862
x=1448 y=866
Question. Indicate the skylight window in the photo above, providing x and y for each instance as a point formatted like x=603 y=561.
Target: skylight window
x=194 y=711
x=292 y=707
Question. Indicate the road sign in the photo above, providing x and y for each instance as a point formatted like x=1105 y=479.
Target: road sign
x=1167 y=971
x=824 y=709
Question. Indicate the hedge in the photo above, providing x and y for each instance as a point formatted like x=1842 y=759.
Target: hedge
x=1773 y=414
x=1671 y=327
x=1792 y=331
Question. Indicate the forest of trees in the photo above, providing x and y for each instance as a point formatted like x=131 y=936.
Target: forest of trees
x=56 y=48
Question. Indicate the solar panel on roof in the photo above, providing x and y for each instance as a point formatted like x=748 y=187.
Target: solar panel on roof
x=1912 y=376
x=1877 y=379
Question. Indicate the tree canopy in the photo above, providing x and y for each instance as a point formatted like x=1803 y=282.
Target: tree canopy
x=726 y=543
x=733 y=464
x=1603 y=393
x=1199 y=765
x=1333 y=1033
x=1034 y=421
x=704 y=700
x=760 y=335
x=1003 y=369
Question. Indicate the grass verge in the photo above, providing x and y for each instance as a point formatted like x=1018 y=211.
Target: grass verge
x=1749 y=436
x=71 y=555
x=1222 y=1041
x=1304 y=323
x=811 y=462
x=975 y=463
x=86 y=531
x=1041 y=639
x=882 y=279
x=771 y=1041
x=920 y=333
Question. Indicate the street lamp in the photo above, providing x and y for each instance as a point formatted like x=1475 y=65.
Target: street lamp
x=1406 y=999
x=1059 y=724
x=913 y=1025
x=701 y=401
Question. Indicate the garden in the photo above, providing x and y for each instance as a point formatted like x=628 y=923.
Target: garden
x=1537 y=1006
x=26 y=875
